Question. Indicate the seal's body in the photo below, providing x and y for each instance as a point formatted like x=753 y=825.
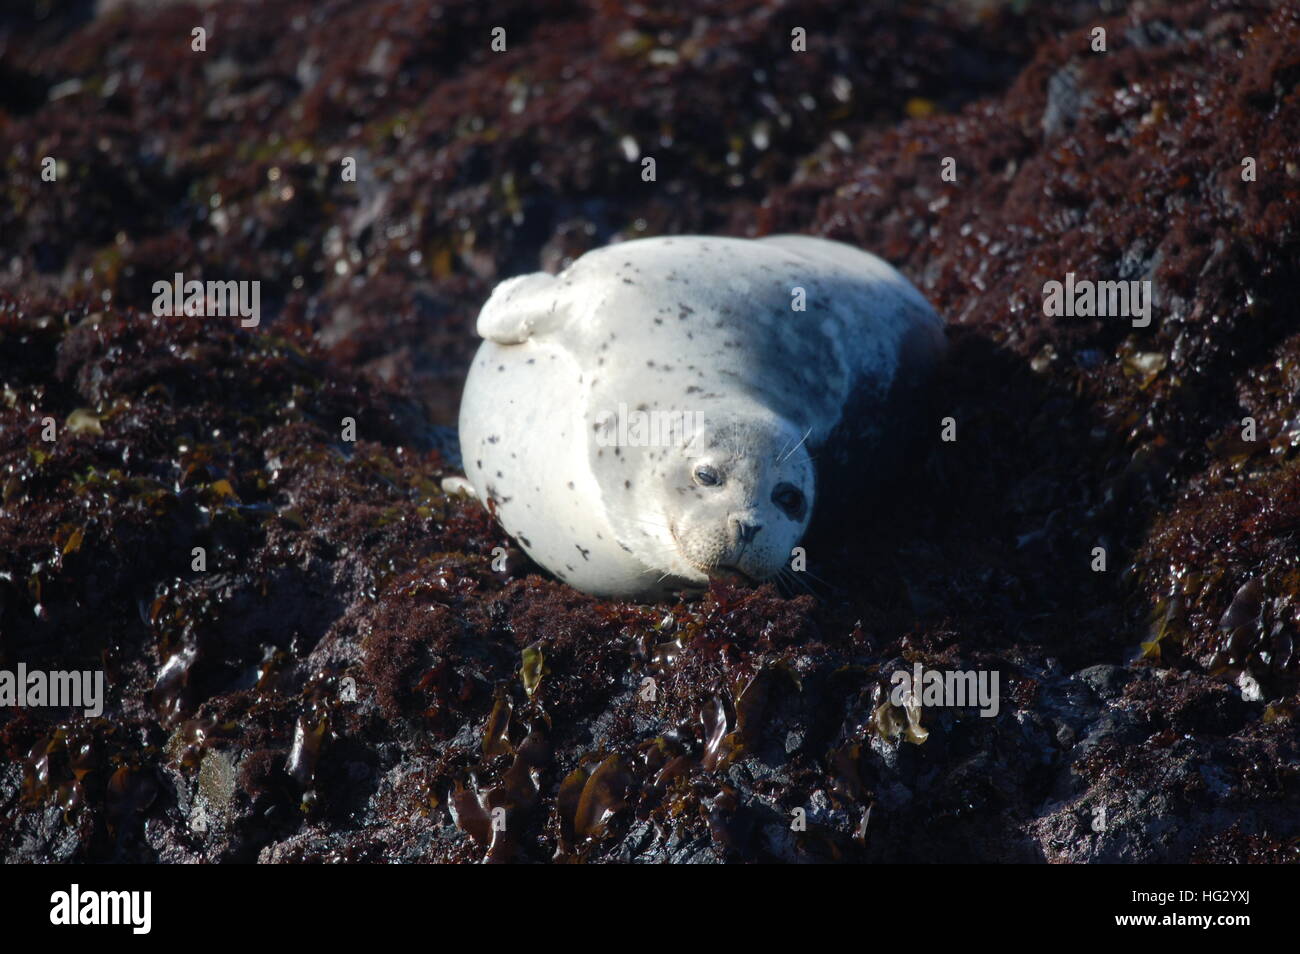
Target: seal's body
x=648 y=418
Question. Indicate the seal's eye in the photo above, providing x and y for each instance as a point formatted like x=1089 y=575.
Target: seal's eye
x=790 y=499
x=707 y=476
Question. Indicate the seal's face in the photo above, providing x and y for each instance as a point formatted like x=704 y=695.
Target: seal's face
x=738 y=497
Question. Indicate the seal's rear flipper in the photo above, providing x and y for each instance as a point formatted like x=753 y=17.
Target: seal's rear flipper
x=520 y=308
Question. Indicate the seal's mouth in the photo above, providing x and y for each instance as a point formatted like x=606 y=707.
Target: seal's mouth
x=723 y=572
x=729 y=574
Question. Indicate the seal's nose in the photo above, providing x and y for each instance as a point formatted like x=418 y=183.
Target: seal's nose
x=747 y=531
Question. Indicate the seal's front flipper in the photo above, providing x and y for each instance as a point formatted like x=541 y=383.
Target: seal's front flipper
x=521 y=308
x=458 y=487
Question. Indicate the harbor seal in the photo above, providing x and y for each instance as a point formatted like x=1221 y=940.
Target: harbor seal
x=647 y=420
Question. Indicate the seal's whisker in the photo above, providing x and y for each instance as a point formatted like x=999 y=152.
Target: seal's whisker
x=813 y=576
x=797 y=446
x=791 y=579
x=649 y=523
x=638 y=575
x=783 y=582
x=796 y=578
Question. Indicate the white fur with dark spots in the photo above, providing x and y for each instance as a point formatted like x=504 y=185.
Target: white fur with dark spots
x=687 y=324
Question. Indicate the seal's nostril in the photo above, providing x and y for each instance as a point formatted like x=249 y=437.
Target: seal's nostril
x=748 y=531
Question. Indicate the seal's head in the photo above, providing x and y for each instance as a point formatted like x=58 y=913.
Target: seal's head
x=736 y=498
